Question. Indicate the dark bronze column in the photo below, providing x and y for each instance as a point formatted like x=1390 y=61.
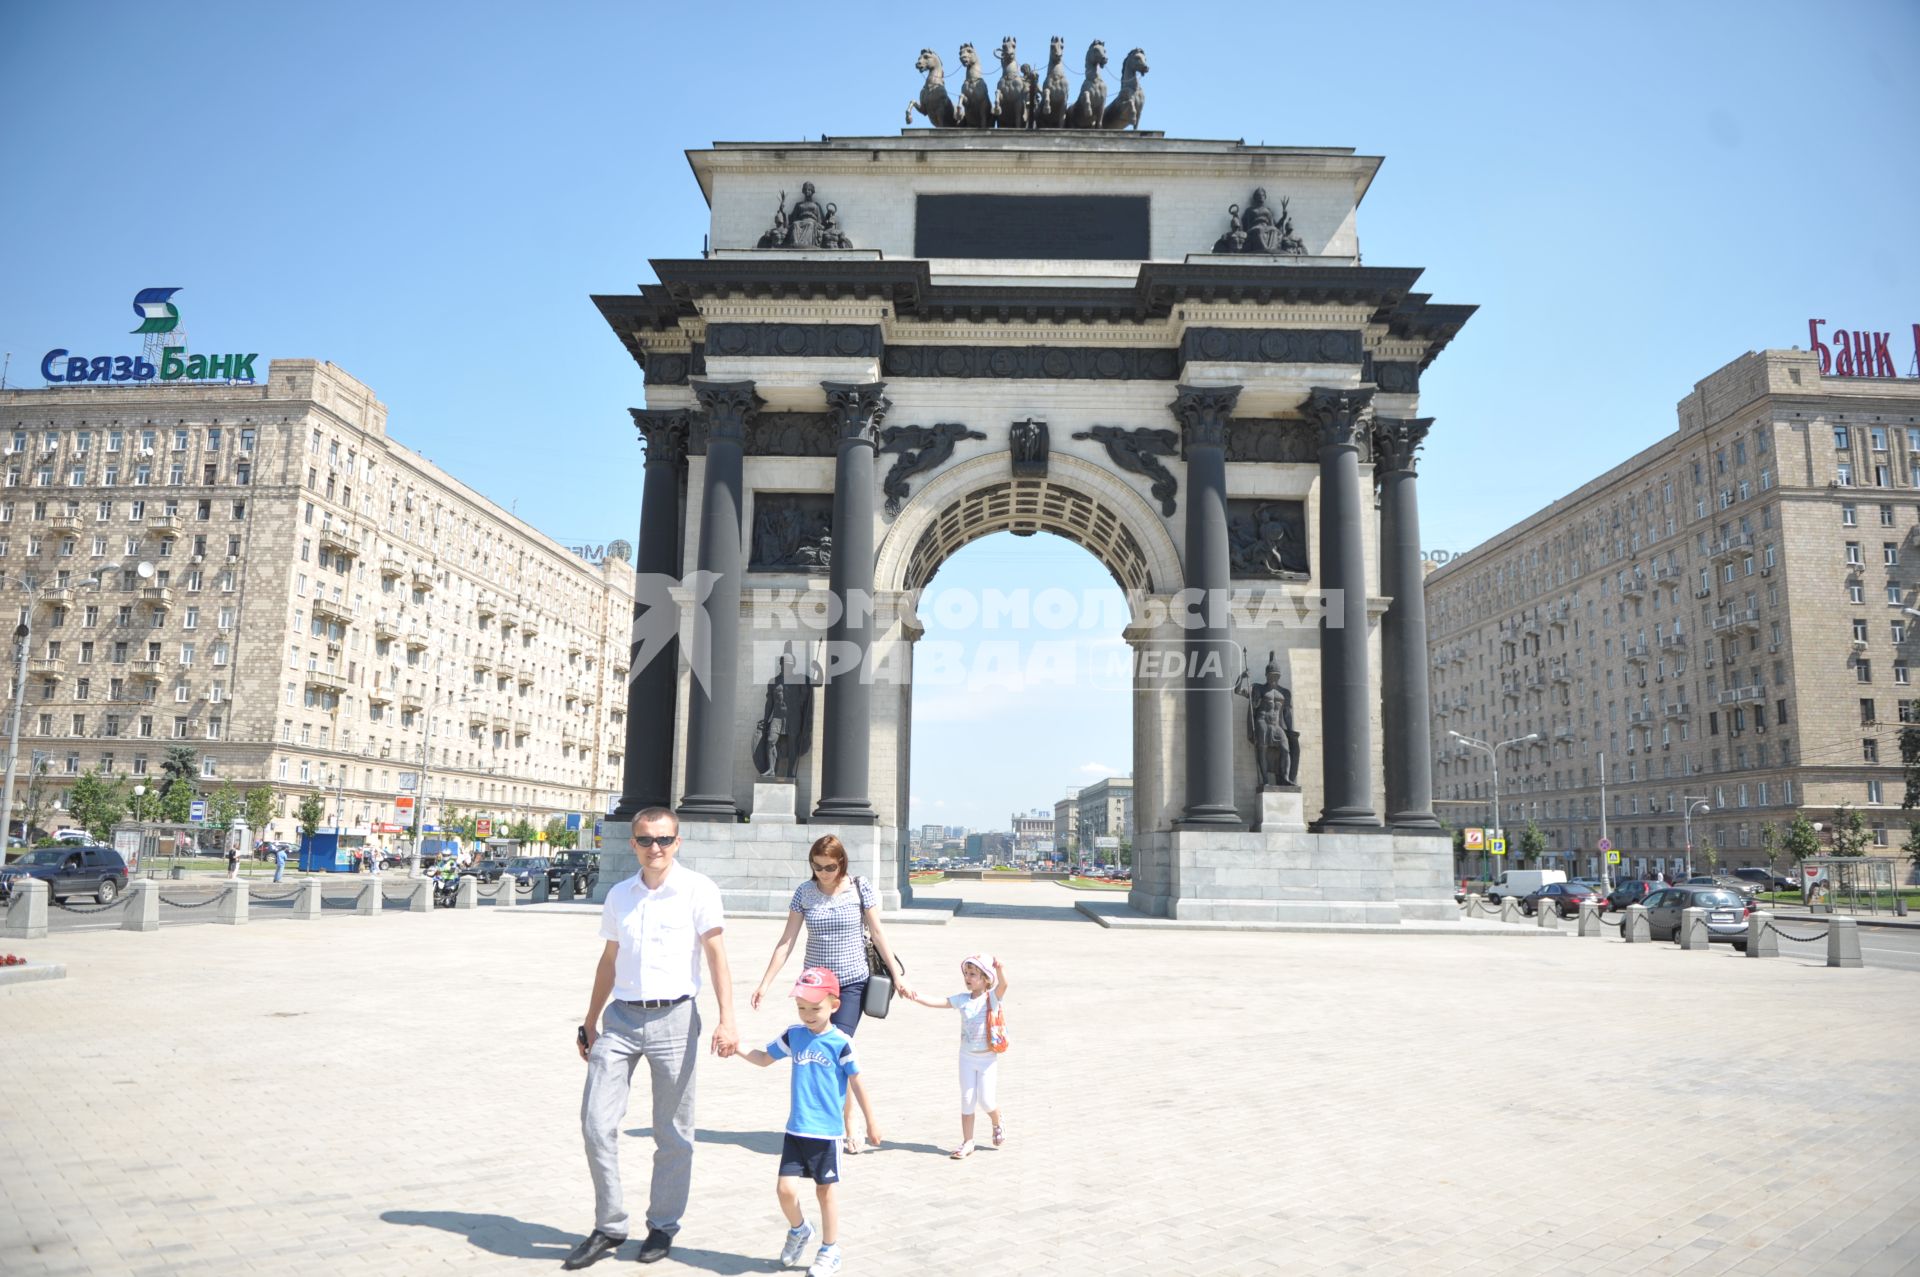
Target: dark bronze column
x=1343 y=418
x=1211 y=661
x=1403 y=631
x=727 y=405
x=654 y=653
x=858 y=409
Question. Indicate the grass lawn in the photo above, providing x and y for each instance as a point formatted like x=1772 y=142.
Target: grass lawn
x=926 y=877
x=1095 y=884
x=1884 y=900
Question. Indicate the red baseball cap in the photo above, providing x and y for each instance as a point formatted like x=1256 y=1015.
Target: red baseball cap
x=816 y=984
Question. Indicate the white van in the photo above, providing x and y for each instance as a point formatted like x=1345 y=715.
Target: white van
x=1521 y=882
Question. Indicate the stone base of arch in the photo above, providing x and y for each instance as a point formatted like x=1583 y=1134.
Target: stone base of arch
x=757 y=865
x=1290 y=876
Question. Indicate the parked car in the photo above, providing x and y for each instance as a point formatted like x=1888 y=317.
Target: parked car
x=1725 y=882
x=70 y=870
x=1766 y=879
x=1634 y=891
x=524 y=869
x=1726 y=912
x=71 y=834
x=583 y=865
x=1564 y=898
x=1521 y=882
x=485 y=870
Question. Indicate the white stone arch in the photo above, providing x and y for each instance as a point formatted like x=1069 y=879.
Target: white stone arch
x=1090 y=506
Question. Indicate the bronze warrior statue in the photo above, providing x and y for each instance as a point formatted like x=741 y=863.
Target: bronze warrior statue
x=1276 y=745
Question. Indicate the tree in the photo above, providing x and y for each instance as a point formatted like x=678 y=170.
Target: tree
x=1910 y=754
x=1770 y=840
x=36 y=793
x=522 y=831
x=176 y=802
x=1533 y=843
x=96 y=804
x=1850 y=832
x=460 y=824
x=309 y=815
x=558 y=835
x=1802 y=839
x=261 y=806
x=180 y=763
x=1913 y=844
x=224 y=808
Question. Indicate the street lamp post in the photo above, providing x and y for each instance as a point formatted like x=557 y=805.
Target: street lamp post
x=1694 y=803
x=1493 y=754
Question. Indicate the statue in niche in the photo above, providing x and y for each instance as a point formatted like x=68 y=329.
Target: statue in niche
x=920 y=449
x=785 y=729
x=810 y=224
x=933 y=101
x=792 y=530
x=1267 y=538
x=1259 y=228
x=1276 y=745
x=1027 y=442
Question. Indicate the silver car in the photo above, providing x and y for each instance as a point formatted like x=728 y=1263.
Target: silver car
x=1726 y=912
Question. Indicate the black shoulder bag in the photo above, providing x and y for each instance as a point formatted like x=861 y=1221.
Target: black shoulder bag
x=878 y=999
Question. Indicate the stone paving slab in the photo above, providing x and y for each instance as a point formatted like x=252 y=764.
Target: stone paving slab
x=399 y=1094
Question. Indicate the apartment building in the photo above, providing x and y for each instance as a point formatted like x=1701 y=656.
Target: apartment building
x=1104 y=809
x=1725 y=622
x=261 y=573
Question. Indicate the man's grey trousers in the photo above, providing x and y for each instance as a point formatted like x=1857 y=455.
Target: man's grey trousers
x=669 y=1040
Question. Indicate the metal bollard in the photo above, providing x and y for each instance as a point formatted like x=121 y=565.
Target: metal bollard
x=467 y=894
x=1693 y=933
x=367 y=903
x=143 y=905
x=1590 y=924
x=27 y=910
x=1762 y=940
x=1510 y=911
x=307 y=903
x=1843 y=943
x=1635 y=929
x=1546 y=916
x=233 y=910
x=419 y=895
x=540 y=891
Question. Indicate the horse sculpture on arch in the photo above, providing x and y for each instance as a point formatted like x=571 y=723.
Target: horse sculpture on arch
x=1022 y=99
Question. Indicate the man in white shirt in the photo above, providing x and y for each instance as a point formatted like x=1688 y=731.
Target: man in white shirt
x=656 y=925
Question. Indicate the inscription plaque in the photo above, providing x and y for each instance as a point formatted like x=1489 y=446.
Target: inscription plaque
x=1078 y=227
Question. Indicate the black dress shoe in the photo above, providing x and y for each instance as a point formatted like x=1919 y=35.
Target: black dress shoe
x=596 y=1245
x=655 y=1247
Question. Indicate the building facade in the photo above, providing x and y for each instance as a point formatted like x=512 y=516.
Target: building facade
x=1104 y=809
x=261 y=574
x=1725 y=623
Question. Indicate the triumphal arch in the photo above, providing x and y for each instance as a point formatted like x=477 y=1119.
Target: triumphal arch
x=1165 y=350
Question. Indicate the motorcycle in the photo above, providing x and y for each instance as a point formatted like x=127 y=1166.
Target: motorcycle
x=445 y=892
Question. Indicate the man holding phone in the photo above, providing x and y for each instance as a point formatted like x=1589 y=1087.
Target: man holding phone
x=656 y=926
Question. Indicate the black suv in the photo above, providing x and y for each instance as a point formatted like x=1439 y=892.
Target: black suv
x=583 y=865
x=86 y=869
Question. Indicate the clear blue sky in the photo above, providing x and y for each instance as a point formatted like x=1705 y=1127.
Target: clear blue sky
x=427 y=194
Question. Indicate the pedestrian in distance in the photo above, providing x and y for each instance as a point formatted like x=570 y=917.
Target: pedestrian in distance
x=986 y=981
x=279 y=861
x=233 y=860
x=656 y=925
x=825 y=1077
x=839 y=913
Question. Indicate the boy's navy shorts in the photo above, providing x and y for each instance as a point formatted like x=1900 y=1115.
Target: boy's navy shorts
x=809 y=1158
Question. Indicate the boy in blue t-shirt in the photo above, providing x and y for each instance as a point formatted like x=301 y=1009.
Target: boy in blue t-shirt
x=824 y=1069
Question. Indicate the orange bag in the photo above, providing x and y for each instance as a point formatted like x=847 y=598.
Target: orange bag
x=996 y=1026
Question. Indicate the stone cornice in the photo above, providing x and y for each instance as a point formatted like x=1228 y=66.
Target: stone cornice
x=1050 y=362
x=794 y=341
x=1272 y=345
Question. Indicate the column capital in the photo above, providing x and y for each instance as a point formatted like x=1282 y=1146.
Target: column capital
x=857 y=408
x=1203 y=413
x=1341 y=414
x=665 y=432
x=728 y=406
x=1396 y=441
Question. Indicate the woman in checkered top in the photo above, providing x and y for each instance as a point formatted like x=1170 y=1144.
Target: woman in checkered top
x=839 y=911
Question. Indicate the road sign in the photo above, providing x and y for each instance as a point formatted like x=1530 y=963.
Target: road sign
x=1606 y=844
x=198 y=811
x=483 y=826
x=1107 y=844
x=1496 y=846
x=1613 y=857
x=573 y=821
x=403 y=803
x=1476 y=839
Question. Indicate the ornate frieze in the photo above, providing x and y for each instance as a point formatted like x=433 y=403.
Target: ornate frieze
x=792 y=531
x=1397 y=442
x=1055 y=363
x=1272 y=346
x=1267 y=538
x=1341 y=415
x=799 y=341
x=664 y=431
x=1139 y=451
x=920 y=449
x=1203 y=413
x=810 y=224
x=791 y=434
x=674 y=367
x=1394 y=377
x=1027 y=444
x=1268 y=439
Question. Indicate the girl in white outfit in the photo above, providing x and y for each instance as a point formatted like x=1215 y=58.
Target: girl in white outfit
x=986 y=981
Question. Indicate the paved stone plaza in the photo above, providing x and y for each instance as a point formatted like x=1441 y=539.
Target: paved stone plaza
x=399 y=1094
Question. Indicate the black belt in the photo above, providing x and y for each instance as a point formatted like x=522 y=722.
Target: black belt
x=655 y=1004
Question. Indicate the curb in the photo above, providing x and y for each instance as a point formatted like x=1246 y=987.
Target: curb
x=33 y=972
x=1115 y=920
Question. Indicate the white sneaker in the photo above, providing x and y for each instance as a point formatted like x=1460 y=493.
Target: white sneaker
x=797 y=1239
x=826 y=1263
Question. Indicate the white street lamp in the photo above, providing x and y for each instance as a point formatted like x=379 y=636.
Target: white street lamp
x=1694 y=803
x=1493 y=753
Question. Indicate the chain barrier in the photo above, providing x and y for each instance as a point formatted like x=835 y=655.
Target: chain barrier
x=1615 y=925
x=524 y=888
x=1788 y=935
x=211 y=900
x=397 y=900
x=482 y=891
x=263 y=898
x=121 y=903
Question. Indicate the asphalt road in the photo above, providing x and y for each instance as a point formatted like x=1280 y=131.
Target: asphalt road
x=1895 y=948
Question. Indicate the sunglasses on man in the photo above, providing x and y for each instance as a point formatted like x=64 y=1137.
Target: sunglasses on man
x=645 y=843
